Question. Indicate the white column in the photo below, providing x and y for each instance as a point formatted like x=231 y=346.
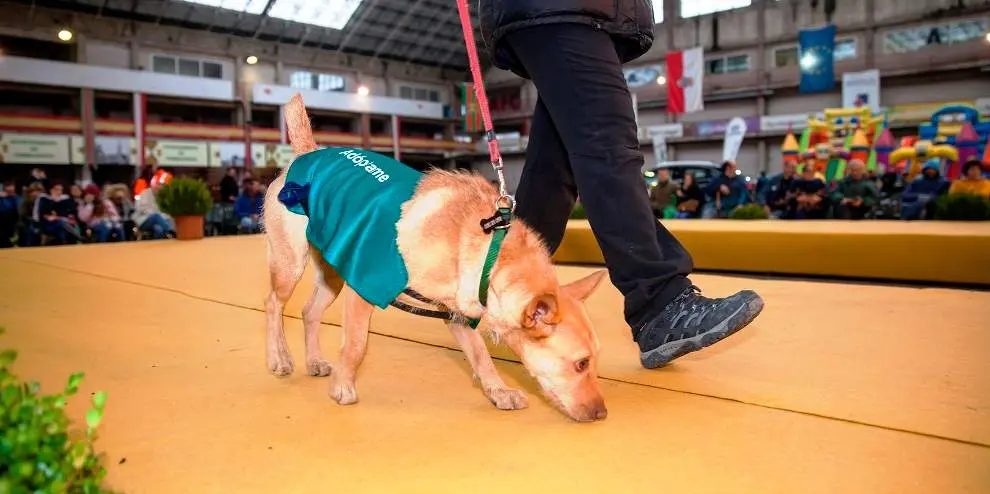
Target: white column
x=395 y=138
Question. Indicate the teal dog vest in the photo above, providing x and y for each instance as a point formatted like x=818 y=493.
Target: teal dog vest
x=353 y=199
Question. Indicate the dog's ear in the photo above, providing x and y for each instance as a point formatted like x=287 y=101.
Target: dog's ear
x=298 y=127
x=583 y=288
x=540 y=315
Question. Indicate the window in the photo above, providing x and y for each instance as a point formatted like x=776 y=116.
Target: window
x=334 y=15
x=329 y=82
x=921 y=37
x=694 y=8
x=212 y=70
x=419 y=93
x=301 y=79
x=657 y=11
x=727 y=65
x=845 y=49
x=191 y=67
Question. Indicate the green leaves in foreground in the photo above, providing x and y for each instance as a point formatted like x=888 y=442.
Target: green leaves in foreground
x=38 y=451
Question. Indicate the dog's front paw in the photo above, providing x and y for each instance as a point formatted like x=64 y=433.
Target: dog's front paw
x=507 y=398
x=343 y=393
x=318 y=367
x=280 y=365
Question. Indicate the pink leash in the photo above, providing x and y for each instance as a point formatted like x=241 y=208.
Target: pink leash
x=479 y=91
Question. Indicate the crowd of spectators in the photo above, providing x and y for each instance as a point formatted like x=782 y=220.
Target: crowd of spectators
x=39 y=211
x=791 y=194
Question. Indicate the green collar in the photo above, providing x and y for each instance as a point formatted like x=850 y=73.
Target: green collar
x=498 y=226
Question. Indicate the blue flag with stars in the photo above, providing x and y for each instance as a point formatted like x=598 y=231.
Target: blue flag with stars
x=816 y=59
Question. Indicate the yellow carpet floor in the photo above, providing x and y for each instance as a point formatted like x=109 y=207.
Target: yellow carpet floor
x=835 y=388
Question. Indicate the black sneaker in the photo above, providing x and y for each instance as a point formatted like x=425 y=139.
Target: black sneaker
x=692 y=322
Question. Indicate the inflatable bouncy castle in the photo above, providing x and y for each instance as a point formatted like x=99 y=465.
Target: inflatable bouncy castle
x=841 y=135
x=955 y=134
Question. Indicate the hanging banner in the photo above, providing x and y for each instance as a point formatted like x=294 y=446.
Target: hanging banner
x=734 y=134
x=43 y=149
x=780 y=123
x=861 y=89
x=176 y=153
x=271 y=155
x=712 y=128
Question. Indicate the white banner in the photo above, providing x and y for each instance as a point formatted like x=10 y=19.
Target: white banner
x=734 y=133
x=669 y=131
x=780 y=123
x=861 y=89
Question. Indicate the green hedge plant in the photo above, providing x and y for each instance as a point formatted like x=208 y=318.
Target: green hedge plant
x=962 y=207
x=749 y=212
x=578 y=212
x=185 y=197
x=38 y=451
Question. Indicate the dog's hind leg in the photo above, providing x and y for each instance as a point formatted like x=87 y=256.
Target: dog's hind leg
x=287 y=257
x=495 y=389
x=357 y=322
x=325 y=290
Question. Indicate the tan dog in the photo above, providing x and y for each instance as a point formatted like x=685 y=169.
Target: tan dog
x=444 y=248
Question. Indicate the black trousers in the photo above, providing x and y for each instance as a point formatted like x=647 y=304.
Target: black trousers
x=583 y=143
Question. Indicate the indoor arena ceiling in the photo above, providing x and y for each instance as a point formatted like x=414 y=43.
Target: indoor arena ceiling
x=419 y=31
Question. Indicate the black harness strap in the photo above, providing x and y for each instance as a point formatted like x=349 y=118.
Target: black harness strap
x=442 y=312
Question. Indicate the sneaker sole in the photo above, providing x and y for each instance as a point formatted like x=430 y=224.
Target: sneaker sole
x=664 y=354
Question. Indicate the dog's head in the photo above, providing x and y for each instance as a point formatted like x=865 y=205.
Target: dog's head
x=552 y=335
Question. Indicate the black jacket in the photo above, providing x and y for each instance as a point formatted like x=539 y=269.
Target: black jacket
x=629 y=22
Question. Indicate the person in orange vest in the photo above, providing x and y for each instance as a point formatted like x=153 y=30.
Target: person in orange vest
x=143 y=181
x=147 y=216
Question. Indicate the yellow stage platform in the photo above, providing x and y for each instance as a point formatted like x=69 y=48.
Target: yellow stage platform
x=928 y=251
x=835 y=388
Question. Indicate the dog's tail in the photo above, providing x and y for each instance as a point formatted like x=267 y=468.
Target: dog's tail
x=298 y=127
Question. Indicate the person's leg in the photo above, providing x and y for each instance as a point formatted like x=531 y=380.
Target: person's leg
x=546 y=192
x=579 y=77
x=101 y=231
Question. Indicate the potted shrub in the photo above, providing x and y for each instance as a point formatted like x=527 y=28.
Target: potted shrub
x=749 y=212
x=188 y=200
x=962 y=207
x=38 y=451
x=578 y=212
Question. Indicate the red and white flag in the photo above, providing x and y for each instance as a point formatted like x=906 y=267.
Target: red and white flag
x=685 y=75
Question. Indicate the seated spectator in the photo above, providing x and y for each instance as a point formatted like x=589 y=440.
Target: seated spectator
x=28 y=234
x=663 y=196
x=147 y=216
x=40 y=176
x=779 y=192
x=228 y=186
x=10 y=205
x=55 y=214
x=809 y=198
x=972 y=181
x=100 y=215
x=248 y=206
x=918 y=200
x=725 y=192
x=690 y=198
x=76 y=193
x=856 y=195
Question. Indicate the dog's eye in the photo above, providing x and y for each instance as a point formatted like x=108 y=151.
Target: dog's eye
x=581 y=365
